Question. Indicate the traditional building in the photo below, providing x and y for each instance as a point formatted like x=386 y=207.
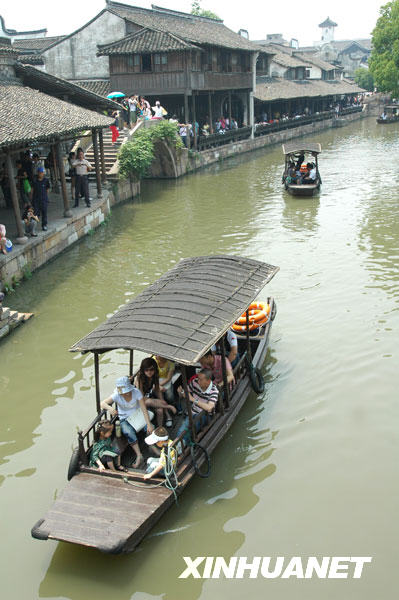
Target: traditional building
x=299 y=82
x=13 y=34
x=44 y=111
x=195 y=66
x=327 y=28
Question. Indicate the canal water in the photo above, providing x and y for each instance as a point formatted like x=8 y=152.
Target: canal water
x=308 y=469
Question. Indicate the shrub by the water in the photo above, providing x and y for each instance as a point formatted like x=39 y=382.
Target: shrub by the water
x=135 y=157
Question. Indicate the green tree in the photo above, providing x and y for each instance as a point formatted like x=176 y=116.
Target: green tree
x=196 y=9
x=384 y=60
x=364 y=79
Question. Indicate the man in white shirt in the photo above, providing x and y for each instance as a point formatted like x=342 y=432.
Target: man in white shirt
x=82 y=167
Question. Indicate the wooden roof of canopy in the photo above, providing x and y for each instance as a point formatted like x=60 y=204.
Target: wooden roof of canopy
x=294 y=147
x=186 y=311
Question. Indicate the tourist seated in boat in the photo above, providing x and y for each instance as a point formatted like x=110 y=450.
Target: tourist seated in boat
x=214 y=363
x=147 y=381
x=299 y=162
x=384 y=116
x=104 y=453
x=128 y=399
x=292 y=176
x=310 y=176
x=166 y=369
x=167 y=458
x=203 y=395
x=231 y=347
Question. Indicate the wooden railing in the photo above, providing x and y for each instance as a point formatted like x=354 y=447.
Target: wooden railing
x=220 y=139
x=266 y=129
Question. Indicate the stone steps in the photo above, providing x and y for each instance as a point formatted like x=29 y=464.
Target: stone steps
x=10 y=319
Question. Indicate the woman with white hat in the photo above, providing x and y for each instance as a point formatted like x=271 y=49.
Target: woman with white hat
x=127 y=398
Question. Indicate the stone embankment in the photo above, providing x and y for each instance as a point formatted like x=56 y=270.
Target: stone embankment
x=62 y=233
x=170 y=163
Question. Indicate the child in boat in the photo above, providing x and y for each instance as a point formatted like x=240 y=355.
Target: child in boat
x=156 y=465
x=103 y=452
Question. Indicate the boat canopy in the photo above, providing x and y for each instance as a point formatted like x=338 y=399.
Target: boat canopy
x=186 y=311
x=294 y=148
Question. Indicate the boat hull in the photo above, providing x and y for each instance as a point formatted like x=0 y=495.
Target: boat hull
x=388 y=121
x=303 y=190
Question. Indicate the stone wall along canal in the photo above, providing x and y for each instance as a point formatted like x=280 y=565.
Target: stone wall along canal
x=308 y=469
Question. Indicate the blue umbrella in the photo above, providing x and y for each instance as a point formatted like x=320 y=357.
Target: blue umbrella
x=116 y=95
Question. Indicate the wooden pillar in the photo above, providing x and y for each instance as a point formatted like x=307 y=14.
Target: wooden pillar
x=188 y=403
x=64 y=193
x=194 y=122
x=102 y=157
x=21 y=239
x=131 y=363
x=97 y=381
x=230 y=108
x=187 y=120
x=248 y=339
x=210 y=112
x=56 y=188
x=97 y=162
x=224 y=373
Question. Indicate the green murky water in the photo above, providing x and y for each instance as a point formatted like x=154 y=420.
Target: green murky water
x=310 y=468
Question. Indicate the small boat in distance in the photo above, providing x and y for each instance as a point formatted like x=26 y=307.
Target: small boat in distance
x=300 y=156
x=390 y=114
x=180 y=317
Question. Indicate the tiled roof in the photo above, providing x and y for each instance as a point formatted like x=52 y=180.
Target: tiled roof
x=8 y=49
x=197 y=30
x=317 y=62
x=31 y=59
x=328 y=23
x=341 y=45
x=288 y=61
x=35 y=78
x=146 y=40
x=37 y=43
x=101 y=87
x=285 y=89
x=36 y=116
x=12 y=32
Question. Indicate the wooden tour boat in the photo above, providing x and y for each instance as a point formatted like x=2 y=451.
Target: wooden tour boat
x=390 y=114
x=305 y=153
x=181 y=316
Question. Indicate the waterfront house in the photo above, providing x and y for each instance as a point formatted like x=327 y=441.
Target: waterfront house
x=41 y=111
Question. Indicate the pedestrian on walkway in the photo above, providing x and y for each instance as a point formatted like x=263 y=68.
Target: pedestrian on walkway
x=72 y=173
x=30 y=220
x=115 y=126
x=82 y=167
x=40 y=197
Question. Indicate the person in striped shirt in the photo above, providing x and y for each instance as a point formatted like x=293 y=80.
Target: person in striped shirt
x=203 y=394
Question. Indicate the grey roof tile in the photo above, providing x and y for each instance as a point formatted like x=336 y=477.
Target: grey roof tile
x=36 y=116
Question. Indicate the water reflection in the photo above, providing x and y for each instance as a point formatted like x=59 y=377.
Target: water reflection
x=300 y=214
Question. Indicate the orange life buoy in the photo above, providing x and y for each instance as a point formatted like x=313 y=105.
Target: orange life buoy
x=258 y=314
x=243 y=328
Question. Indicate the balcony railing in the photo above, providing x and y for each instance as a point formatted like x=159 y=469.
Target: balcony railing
x=220 y=139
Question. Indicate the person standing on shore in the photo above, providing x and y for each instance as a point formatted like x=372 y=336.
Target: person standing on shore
x=82 y=167
x=40 y=197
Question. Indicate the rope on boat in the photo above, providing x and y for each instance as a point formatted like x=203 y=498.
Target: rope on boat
x=169 y=472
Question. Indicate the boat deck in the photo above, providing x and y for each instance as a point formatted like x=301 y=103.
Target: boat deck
x=102 y=512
